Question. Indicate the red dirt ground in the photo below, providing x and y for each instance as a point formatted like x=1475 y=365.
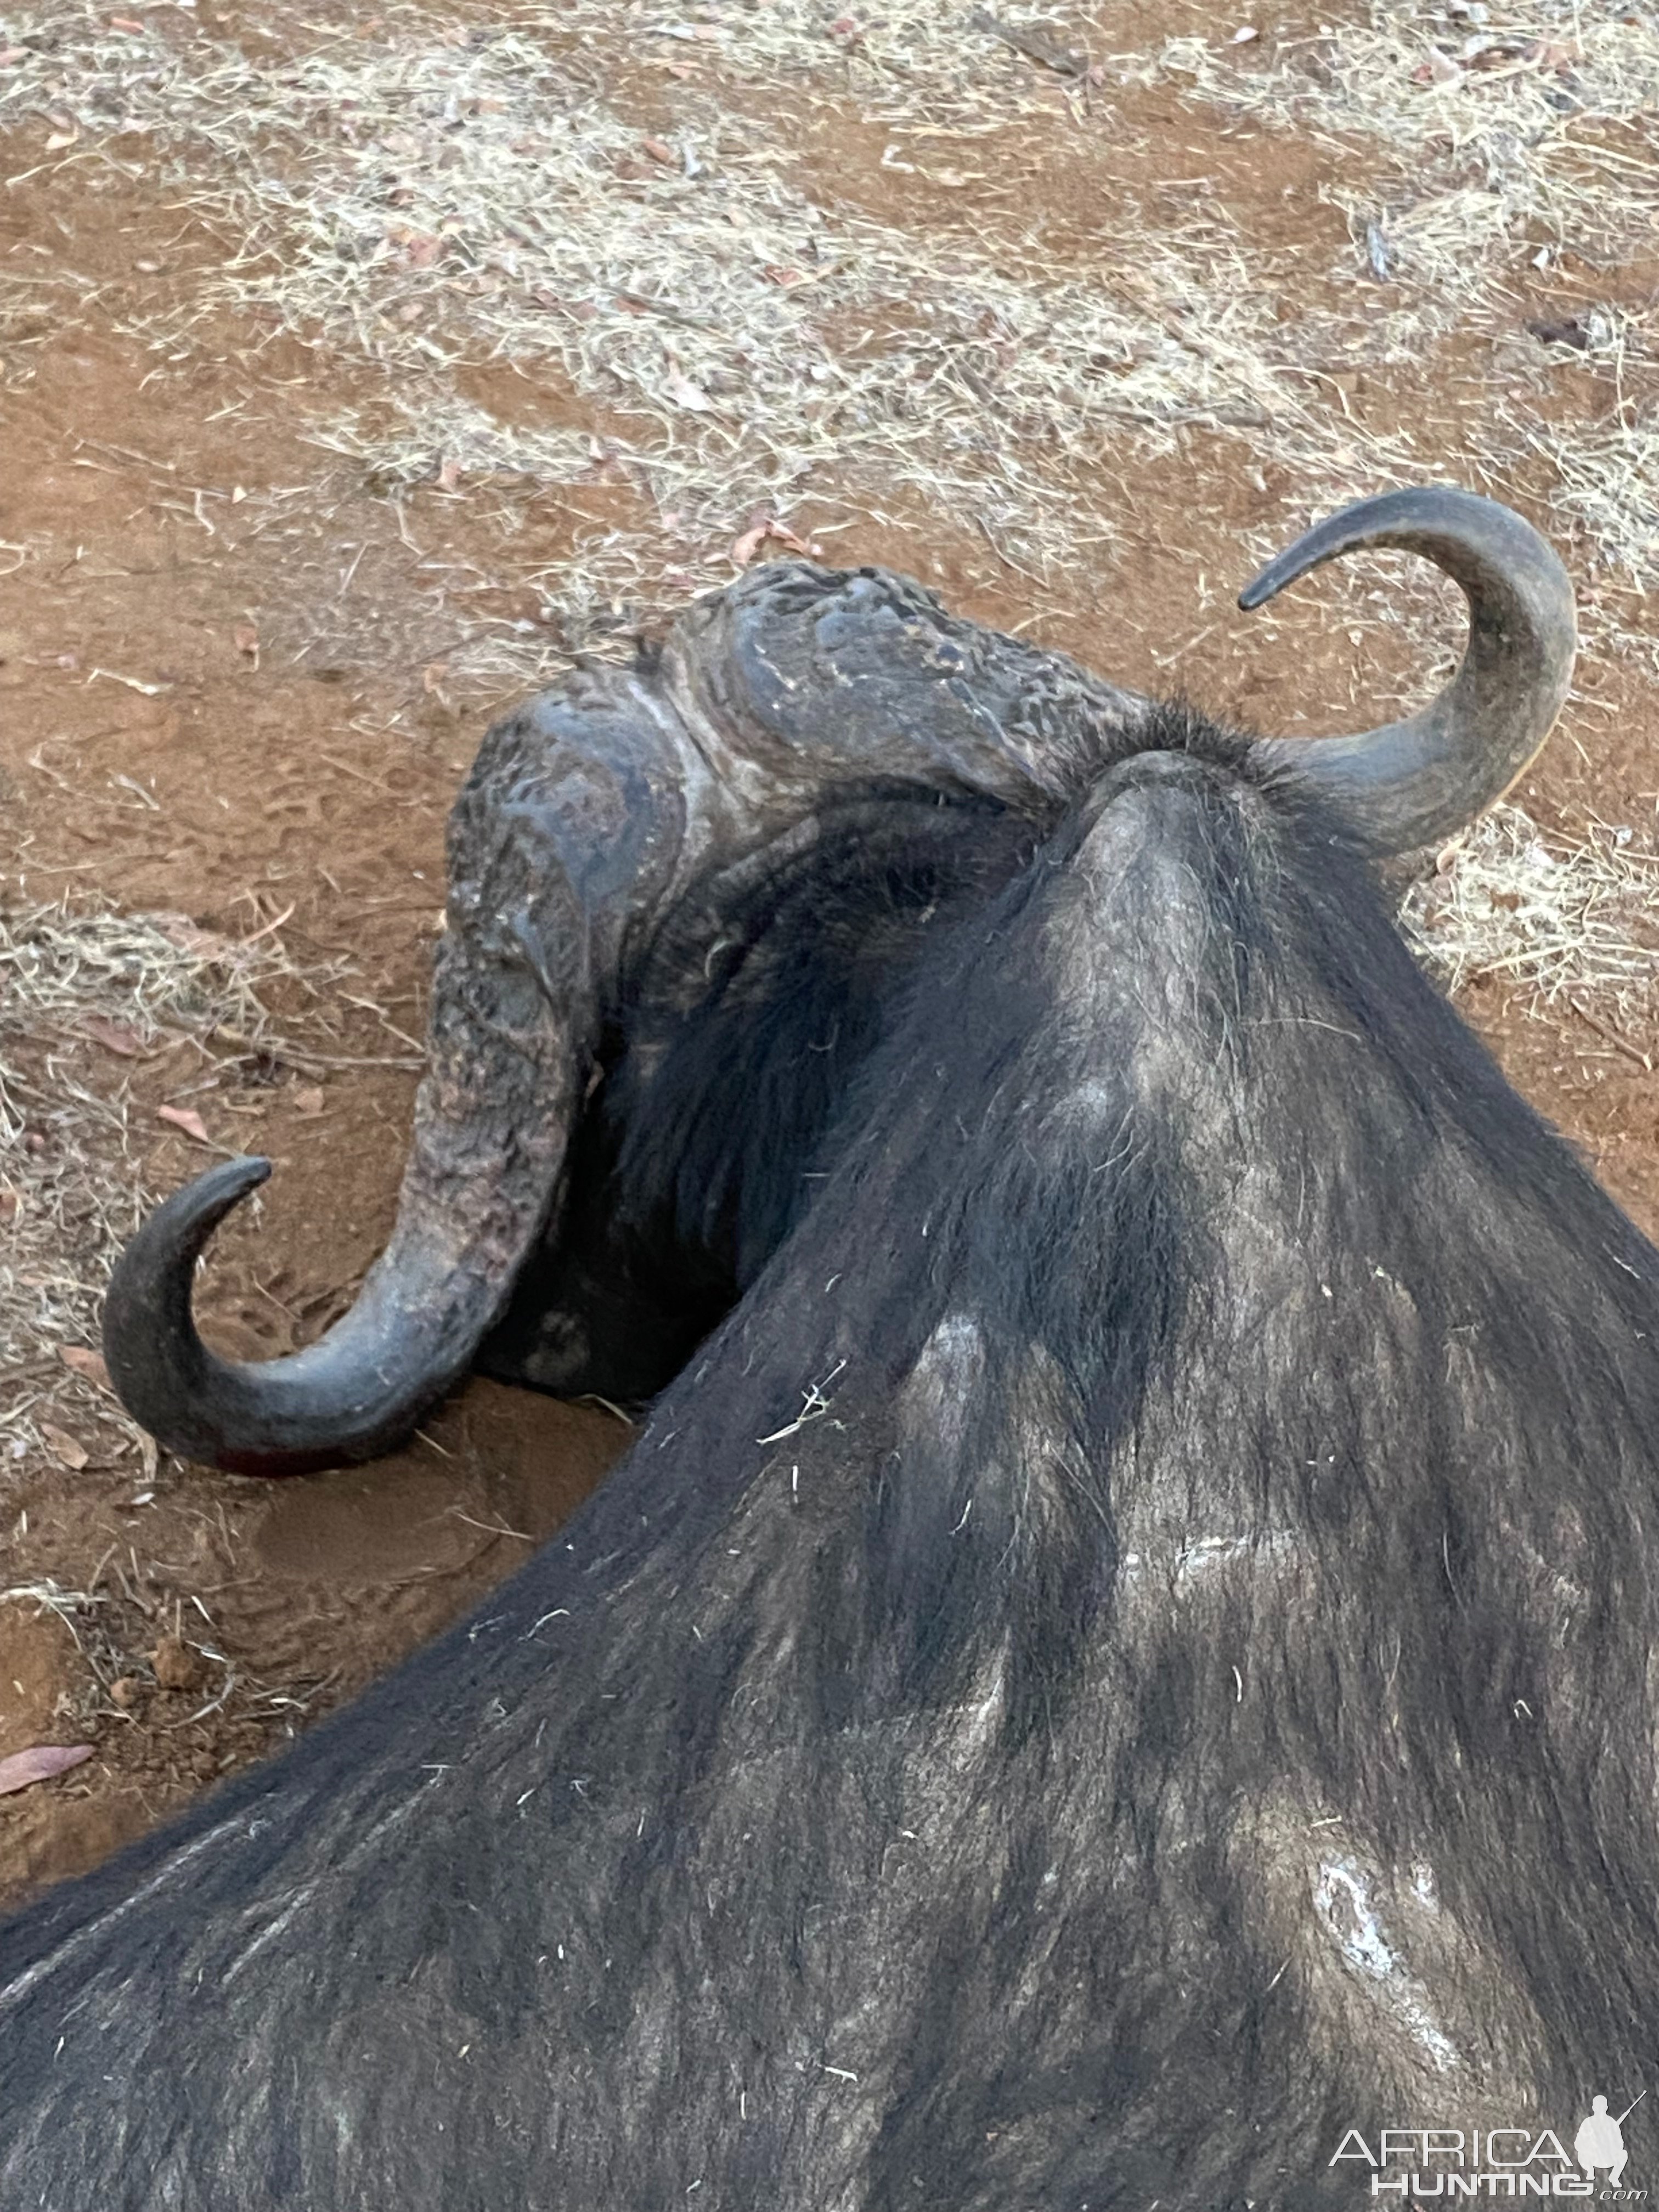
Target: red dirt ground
x=276 y=788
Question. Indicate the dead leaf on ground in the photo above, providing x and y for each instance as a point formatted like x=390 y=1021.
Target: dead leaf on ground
x=187 y=1119
x=683 y=393
x=247 y=639
x=187 y=936
x=660 y=150
x=63 y=1448
x=309 y=1101
x=85 y=1361
x=114 y=1036
x=1565 y=331
x=449 y=475
x=763 y=526
x=10 y=1206
x=178 y=1665
x=39 y=1764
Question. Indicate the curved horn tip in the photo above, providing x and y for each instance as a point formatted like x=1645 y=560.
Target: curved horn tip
x=230 y=1181
x=353 y=1394
x=150 y=1284
x=1411 y=783
x=1497 y=534
x=188 y=1218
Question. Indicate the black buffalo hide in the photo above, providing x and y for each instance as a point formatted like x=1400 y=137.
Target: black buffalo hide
x=1129 y=1653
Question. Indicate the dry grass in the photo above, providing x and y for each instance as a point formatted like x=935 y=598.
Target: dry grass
x=59 y=964
x=933 y=64
x=33 y=302
x=420 y=432
x=1603 y=492
x=423 y=198
x=593 y=600
x=753 y=347
x=1548 y=916
x=1505 y=139
x=1533 y=110
x=422 y=195
x=72 y=1187
x=1608 y=480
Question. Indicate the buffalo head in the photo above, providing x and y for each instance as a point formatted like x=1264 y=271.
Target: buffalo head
x=632 y=812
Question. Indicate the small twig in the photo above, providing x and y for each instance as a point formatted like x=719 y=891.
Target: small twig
x=814 y=1409
x=305 y=1063
x=270 y=926
x=669 y=312
x=1007 y=559
x=361 y=775
x=489 y=1527
x=1607 y=1030
x=1030 y=42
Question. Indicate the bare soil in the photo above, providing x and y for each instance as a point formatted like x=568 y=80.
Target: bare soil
x=230 y=688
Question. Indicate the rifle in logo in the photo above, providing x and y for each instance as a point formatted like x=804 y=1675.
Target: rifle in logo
x=1600 y=2140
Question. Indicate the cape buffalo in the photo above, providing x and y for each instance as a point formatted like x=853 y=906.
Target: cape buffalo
x=680 y=896
x=1120 y=1670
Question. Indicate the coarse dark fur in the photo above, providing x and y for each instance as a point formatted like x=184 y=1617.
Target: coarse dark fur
x=1128 y=1655
x=721 y=1080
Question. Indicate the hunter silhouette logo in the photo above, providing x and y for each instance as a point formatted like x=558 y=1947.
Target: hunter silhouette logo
x=1414 y=2165
x=1600 y=2140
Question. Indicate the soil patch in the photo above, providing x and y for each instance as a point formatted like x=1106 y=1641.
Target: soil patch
x=324 y=442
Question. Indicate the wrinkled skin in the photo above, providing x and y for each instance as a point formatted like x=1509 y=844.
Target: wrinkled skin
x=592 y=824
x=817 y=709
x=1126 y=1655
